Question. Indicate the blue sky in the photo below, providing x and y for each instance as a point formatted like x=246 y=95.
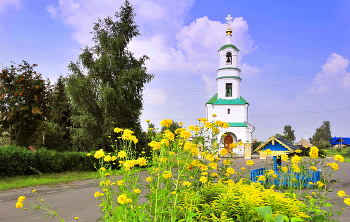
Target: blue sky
x=294 y=55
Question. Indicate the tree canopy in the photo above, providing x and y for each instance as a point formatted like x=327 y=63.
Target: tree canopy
x=107 y=81
x=24 y=102
x=322 y=136
x=289 y=133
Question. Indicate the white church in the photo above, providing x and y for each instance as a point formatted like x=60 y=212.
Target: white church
x=228 y=104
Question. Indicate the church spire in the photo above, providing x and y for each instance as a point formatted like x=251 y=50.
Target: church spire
x=228 y=31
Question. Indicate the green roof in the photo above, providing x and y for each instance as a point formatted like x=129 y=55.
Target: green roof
x=216 y=101
x=213 y=99
x=237 y=124
x=229 y=45
x=229 y=77
x=229 y=68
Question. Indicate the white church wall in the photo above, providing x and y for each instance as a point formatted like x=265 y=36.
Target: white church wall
x=238 y=113
x=228 y=72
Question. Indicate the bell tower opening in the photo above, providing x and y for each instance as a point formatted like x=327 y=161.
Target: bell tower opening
x=228 y=58
x=228 y=89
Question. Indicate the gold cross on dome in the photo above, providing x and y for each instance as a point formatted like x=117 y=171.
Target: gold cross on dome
x=228 y=19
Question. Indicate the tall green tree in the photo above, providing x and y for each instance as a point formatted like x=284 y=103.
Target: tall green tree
x=289 y=133
x=57 y=135
x=107 y=82
x=24 y=103
x=322 y=136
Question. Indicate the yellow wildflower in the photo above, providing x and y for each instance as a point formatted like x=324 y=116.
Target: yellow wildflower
x=21 y=198
x=298 y=151
x=103 y=169
x=320 y=184
x=181 y=123
x=230 y=170
x=341 y=193
x=77 y=218
x=107 y=158
x=89 y=154
x=284 y=157
x=120 y=182
x=268 y=152
x=250 y=163
x=137 y=191
x=213 y=165
x=33 y=191
x=148 y=179
x=313 y=168
x=339 y=158
x=117 y=130
x=313 y=152
x=148 y=120
x=167 y=174
x=122 y=154
x=214 y=175
x=19 y=205
x=187 y=183
x=233 y=145
x=333 y=165
x=122 y=199
x=99 y=154
x=240 y=143
x=203 y=179
x=296 y=159
x=261 y=178
x=227 y=162
x=223 y=152
x=203 y=120
x=166 y=122
x=185 y=134
x=347 y=201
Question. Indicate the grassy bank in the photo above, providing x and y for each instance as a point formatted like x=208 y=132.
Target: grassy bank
x=7 y=183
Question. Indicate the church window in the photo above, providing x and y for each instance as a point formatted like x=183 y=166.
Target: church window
x=228 y=89
x=228 y=58
x=228 y=111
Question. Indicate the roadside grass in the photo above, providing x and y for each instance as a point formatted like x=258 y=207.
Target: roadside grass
x=8 y=183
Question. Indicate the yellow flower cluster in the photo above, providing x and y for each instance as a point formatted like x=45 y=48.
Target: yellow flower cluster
x=233 y=145
x=296 y=159
x=127 y=135
x=185 y=134
x=333 y=165
x=284 y=157
x=187 y=183
x=341 y=193
x=223 y=152
x=313 y=168
x=155 y=145
x=122 y=154
x=313 y=152
x=166 y=122
x=20 y=201
x=167 y=174
x=117 y=130
x=99 y=154
x=123 y=199
x=250 y=163
x=339 y=158
x=295 y=168
x=230 y=170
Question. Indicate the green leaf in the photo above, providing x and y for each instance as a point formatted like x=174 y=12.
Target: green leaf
x=295 y=219
x=269 y=218
x=264 y=210
x=279 y=218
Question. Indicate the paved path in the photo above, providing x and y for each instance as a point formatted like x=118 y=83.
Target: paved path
x=76 y=199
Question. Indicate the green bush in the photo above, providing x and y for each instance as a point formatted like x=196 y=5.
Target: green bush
x=236 y=202
x=21 y=161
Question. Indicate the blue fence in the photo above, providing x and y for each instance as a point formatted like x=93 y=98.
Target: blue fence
x=301 y=179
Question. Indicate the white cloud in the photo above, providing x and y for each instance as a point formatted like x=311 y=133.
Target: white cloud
x=333 y=75
x=249 y=71
x=4 y=3
x=155 y=96
x=211 y=86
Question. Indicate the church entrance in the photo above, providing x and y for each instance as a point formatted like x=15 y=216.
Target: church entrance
x=228 y=141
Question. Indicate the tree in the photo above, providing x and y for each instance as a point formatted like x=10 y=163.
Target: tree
x=57 y=135
x=322 y=136
x=107 y=82
x=24 y=103
x=289 y=133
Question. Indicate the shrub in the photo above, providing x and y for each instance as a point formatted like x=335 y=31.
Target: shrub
x=237 y=202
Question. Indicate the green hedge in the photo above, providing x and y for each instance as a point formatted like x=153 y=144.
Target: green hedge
x=21 y=161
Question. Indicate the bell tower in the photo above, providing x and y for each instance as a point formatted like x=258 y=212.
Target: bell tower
x=227 y=104
x=228 y=74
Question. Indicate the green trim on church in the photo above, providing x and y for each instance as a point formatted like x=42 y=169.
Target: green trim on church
x=229 y=68
x=229 y=77
x=214 y=100
x=237 y=124
x=229 y=45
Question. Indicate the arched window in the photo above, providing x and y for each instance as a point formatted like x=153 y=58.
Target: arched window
x=228 y=58
x=228 y=89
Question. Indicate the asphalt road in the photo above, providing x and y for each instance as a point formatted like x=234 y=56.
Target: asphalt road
x=76 y=199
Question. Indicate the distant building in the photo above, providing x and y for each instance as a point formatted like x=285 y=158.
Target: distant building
x=337 y=142
x=304 y=145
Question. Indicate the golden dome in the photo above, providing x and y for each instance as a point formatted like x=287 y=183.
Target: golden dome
x=228 y=31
